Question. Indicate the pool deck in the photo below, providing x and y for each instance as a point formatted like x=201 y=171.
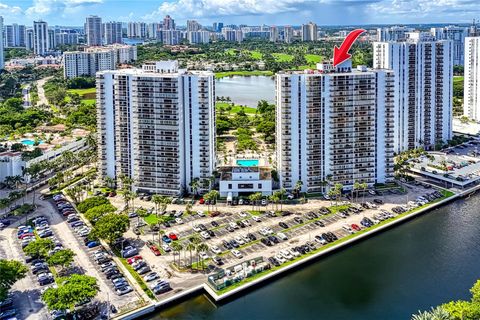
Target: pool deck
x=205 y=288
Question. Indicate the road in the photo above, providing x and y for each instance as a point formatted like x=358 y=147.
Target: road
x=41 y=91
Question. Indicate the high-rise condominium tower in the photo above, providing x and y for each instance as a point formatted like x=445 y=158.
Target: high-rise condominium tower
x=14 y=35
x=157 y=126
x=394 y=33
x=471 y=100
x=112 y=32
x=423 y=70
x=334 y=125
x=40 y=37
x=309 y=32
x=93 y=30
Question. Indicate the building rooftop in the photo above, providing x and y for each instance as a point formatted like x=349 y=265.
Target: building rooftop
x=226 y=173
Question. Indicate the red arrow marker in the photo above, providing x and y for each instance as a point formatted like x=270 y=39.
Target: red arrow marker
x=341 y=54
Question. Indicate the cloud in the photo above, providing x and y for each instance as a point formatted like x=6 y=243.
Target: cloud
x=42 y=8
x=5 y=9
x=438 y=9
x=221 y=8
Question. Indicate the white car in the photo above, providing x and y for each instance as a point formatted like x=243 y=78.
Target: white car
x=216 y=250
x=280 y=258
x=263 y=231
x=237 y=254
x=286 y=254
x=200 y=214
x=203 y=255
x=242 y=214
x=179 y=220
x=205 y=235
x=245 y=238
x=240 y=240
x=166 y=247
x=347 y=228
x=294 y=253
x=196 y=228
x=233 y=225
x=282 y=236
x=371 y=192
x=256 y=218
x=269 y=230
x=247 y=223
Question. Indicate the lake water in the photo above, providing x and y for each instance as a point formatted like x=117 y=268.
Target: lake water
x=246 y=90
x=424 y=262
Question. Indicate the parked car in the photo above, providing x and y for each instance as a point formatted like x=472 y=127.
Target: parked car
x=155 y=250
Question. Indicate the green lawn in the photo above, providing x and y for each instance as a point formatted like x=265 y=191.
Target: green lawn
x=244 y=73
x=236 y=108
x=88 y=95
x=313 y=58
x=282 y=57
x=151 y=219
x=256 y=55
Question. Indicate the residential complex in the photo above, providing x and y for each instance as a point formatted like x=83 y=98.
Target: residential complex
x=334 y=125
x=309 y=32
x=157 y=126
x=423 y=69
x=112 y=32
x=94 y=59
x=394 y=33
x=14 y=35
x=471 y=100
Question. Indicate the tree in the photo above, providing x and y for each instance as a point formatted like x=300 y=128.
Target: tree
x=33 y=172
x=176 y=247
x=111 y=226
x=190 y=247
x=39 y=248
x=194 y=185
x=71 y=291
x=435 y=314
x=61 y=258
x=298 y=187
x=92 y=202
x=202 y=247
x=254 y=198
x=95 y=213
x=11 y=271
x=356 y=187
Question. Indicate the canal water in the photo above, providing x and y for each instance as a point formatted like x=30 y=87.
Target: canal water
x=426 y=261
x=246 y=91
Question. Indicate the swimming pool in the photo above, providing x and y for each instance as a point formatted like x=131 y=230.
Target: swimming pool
x=248 y=163
x=29 y=142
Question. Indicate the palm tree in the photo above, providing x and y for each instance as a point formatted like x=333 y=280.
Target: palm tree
x=126 y=182
x=157 y=200
x=338 y=190
x=33 y=172
x=281 y=193
x=214 y=194
x=437 y=313
x=176 y=247
x=161 y=233
x=364 y=186
x=4 y=203
x=254 y=198
x=194 y=185
x=298 y=187
x=202 y=247
x=9 y=181
x=356 y=187
x=109 y=181
x=190 y=247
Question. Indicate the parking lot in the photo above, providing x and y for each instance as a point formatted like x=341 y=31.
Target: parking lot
x=246 y=232
x=28 y=290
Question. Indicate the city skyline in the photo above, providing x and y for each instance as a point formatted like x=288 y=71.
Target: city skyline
x=281 y=12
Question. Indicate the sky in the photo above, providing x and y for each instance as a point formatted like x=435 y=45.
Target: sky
x=250 y=12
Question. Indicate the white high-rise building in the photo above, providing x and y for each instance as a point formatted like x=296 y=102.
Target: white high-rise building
x=457 y=36
x=154 y=30
x=309 y=32
x=168 y=23
x=202 y=36
x=334 y=125
x=40 y=38
x=137 y=30
x=29 y=39
x=171 y=37
x=423 y=70
x=14 y=36
x=112 y=32
x=157 y=126
x=471 y=98
x=193 y=25
x=2 y=57
x=274 y=34
x=93 y=31
x=394 y=33
x=288 y=34
x=94 y=59
x=66 y=37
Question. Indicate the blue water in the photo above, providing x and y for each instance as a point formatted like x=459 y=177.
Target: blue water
x=29 y=142
x=248 y=163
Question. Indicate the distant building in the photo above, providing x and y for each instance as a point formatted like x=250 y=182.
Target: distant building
x=309 y=32
x=171 y=37
x=394 y=33
x=66 y=37
x=40 y=38
x=334 y=125
x=154 y=30
x=168 y=23
x=93 y=31
x=232 y=35
x=112 y=32
x=29 y=39
x=2 y=57
x=94 y=59
x=157 y=126
x=457 y=36
x=14 y=36
x=193 y=25
x=471 y=99
x=423 y=69
x=241 y=181
x=52 y=41
x=198 y=37
x=288 y=34
x=137 y=30
x=274 y=36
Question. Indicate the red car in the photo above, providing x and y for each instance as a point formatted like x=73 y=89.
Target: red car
x=173 y=236
x=155 y=250
x=356 y=227
x=133 y=259
x=201 y=201
x=23 y=235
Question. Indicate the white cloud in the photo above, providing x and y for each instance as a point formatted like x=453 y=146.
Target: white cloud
x=5 y=9
x=41 y=8
x=219 y=8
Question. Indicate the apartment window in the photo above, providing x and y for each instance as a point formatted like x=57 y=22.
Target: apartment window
x=229 y=186
x=259 y=186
